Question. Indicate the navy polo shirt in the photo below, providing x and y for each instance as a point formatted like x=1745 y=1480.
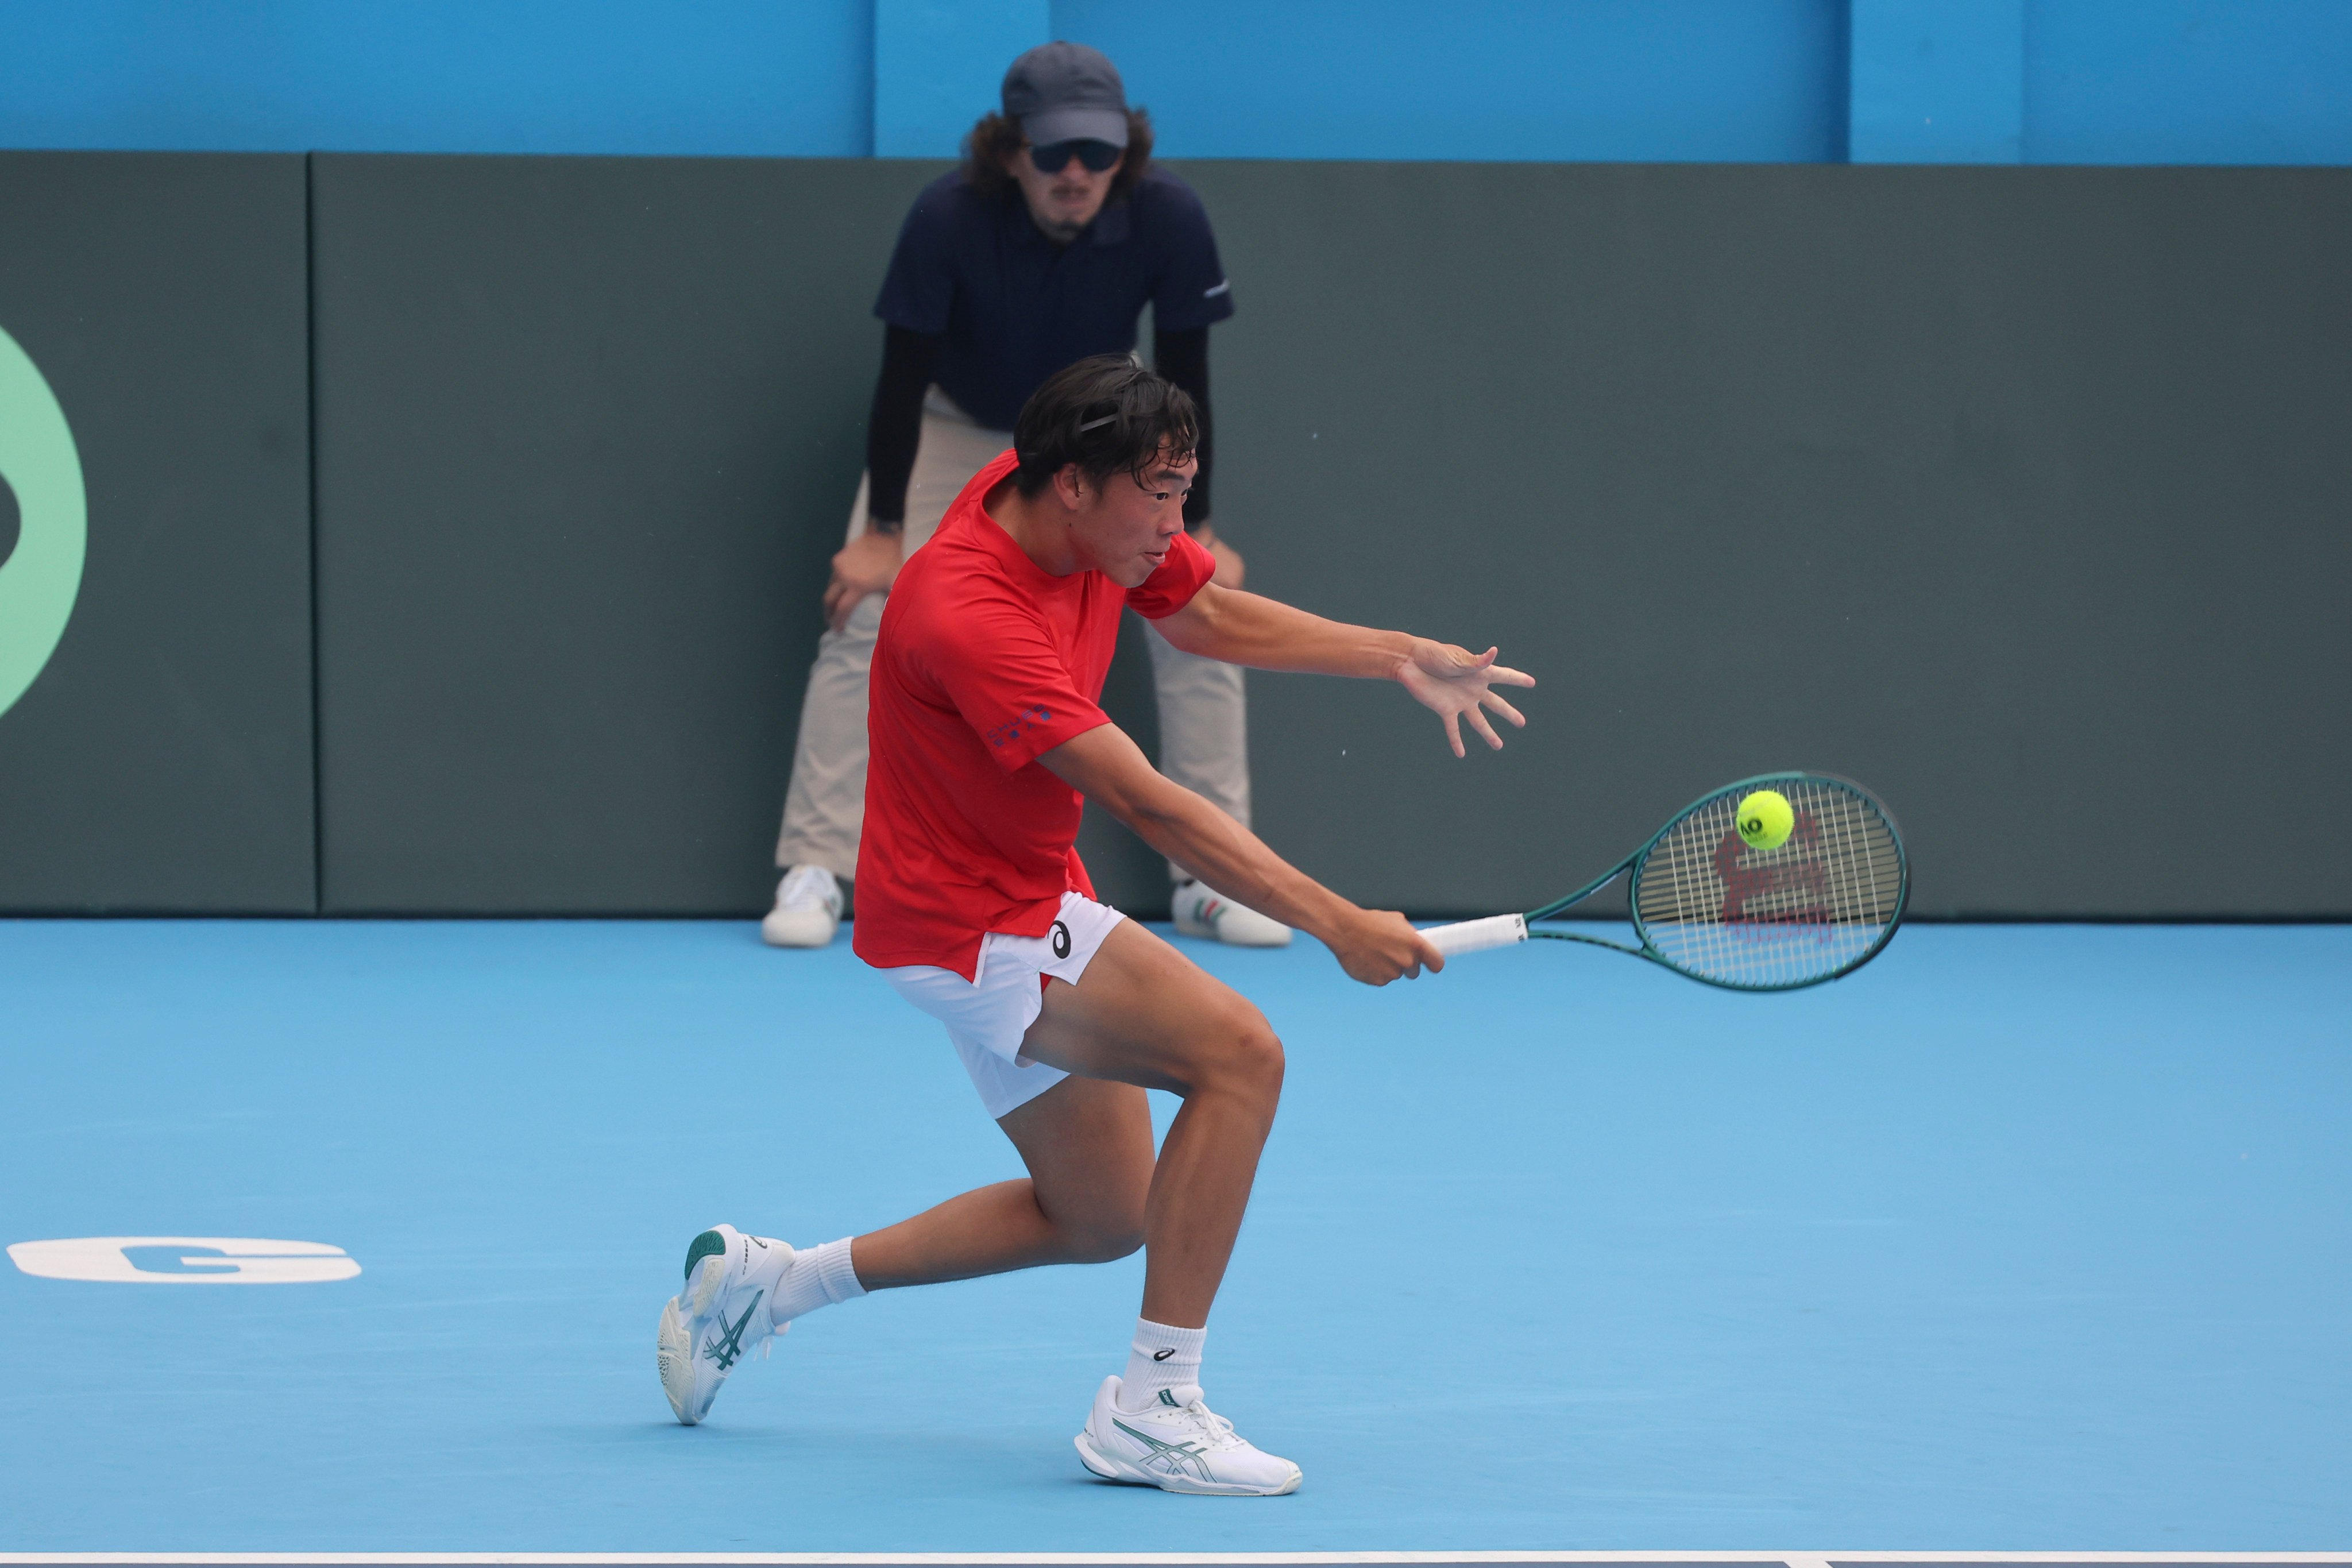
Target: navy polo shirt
x=1014 y=306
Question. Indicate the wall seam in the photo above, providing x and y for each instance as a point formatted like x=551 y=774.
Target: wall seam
x=311 y=374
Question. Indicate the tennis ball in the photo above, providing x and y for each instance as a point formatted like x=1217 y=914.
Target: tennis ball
x=1764 y=819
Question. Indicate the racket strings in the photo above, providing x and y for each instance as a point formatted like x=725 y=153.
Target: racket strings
x=1811 y=908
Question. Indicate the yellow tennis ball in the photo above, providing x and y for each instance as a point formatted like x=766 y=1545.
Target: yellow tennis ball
x=1765 y=819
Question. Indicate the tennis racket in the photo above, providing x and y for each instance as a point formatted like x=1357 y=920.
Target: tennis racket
x=1819 y=905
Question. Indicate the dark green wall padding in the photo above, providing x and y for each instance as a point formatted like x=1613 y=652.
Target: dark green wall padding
x=161 y=762
x=588 y=433
x=2019 y=495
x=2023 y=495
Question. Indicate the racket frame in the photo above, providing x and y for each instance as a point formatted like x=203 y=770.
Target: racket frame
x=1634 y=892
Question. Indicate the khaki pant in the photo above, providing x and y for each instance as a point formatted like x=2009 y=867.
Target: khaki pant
x=1204 y=722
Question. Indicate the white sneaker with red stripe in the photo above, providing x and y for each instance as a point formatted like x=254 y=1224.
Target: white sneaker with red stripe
x=1200 y=911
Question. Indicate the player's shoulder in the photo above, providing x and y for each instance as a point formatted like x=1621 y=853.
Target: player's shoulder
x=950 y=586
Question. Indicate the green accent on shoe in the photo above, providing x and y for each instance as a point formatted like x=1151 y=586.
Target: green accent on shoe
x=1169 y=1400
x=727 y=1349
x=705 y=1245
x=1181 y=1458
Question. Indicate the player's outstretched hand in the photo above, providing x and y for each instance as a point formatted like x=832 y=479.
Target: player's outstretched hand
x=1454 y=683
x=1377 y=946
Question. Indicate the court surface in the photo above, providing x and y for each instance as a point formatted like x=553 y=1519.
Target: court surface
x=2028 y=1238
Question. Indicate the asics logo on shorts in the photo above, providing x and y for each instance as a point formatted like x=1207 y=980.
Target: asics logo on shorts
x=1061 y=940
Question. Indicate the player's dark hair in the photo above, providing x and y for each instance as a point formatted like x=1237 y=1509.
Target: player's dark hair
x=994 y=138
x=1109 y=415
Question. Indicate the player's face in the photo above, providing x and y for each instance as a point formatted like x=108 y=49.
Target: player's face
x=1126 y=528
x=1067 y=200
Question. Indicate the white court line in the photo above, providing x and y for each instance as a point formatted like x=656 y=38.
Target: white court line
x=1139 y=1558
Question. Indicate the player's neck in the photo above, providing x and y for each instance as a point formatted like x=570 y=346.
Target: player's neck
x=1038 y=526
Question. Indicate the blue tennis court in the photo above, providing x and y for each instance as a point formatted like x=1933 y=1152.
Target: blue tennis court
x=2024 y=1238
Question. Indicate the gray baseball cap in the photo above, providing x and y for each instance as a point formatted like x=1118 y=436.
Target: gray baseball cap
x=1067 y=92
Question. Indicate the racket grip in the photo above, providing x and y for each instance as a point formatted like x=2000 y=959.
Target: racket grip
x=1475 y=936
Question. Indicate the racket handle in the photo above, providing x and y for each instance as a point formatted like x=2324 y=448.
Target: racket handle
x=1475 y=936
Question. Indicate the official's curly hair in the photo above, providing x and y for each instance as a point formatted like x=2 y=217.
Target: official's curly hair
x=1109 y=415
x=994 y=136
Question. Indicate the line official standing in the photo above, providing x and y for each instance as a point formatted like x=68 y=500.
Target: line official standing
x=1042 y=249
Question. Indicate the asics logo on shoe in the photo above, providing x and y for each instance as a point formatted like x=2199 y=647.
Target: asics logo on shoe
x=1182 y=1457
x=1167 y=1398
x=1163 y=1355
x=727 y=1349
x=1061 y=940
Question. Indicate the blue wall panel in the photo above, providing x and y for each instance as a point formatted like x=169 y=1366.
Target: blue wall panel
x=1728 y=80
x=939 y=65
x=1936 y=81
x=2096 y=81
x=718 y=77
x=2188 y=81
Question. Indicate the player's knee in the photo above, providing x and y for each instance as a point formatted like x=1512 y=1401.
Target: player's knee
x=1234 y=1051
x=1107 y=1245
x=1256 y=1056
x=1109 y=1231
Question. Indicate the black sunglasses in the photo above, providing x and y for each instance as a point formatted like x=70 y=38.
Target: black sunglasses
x=1055 y=156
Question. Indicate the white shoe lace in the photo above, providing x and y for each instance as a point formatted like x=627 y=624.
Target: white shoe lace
x=1215 y=1428
x=805 y=887
x=1215 y=1432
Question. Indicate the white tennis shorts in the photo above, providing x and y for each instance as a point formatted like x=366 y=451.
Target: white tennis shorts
x=988 y=1016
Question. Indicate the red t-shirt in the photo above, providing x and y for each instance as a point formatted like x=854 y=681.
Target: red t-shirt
x=983 y=662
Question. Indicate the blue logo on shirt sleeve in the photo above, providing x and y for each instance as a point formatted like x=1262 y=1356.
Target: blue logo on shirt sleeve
x=1022 y=723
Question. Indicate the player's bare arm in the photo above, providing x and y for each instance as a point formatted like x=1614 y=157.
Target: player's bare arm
x=1106 y=765
x=1124 y=526
x=1265 y=633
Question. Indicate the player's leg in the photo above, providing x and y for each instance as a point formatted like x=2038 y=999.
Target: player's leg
x=1087 y=1146
x=1205 y=746
x=1141 y=1016
x=1145 y=1014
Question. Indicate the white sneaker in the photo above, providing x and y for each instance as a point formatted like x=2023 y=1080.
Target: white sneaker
x=722 y=1312
x=1202 y=912
x=807 y=911
x=1179 y=1445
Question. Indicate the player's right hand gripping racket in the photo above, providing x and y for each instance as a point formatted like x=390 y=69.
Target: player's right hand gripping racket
x=1819 y=905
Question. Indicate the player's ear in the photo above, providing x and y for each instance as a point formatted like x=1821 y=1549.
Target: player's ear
x=1070 y=483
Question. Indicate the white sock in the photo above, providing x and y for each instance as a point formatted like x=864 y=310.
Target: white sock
x=816 y=1277
x=1160 y=1357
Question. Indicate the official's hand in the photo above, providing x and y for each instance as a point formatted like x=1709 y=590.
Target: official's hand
x=1377 y=946
x=1454 y=683
x=1229 y=560
x=866 y=564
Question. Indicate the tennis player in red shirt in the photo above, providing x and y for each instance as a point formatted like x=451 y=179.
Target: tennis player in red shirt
x=986 y=738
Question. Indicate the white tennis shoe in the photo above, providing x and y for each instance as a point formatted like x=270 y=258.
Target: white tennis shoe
x=1179 y=1445
x=1200 y=911
x=723 y=1313
x=807 y=911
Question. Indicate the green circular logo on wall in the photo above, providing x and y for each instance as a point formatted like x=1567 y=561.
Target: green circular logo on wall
x=40 y=577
